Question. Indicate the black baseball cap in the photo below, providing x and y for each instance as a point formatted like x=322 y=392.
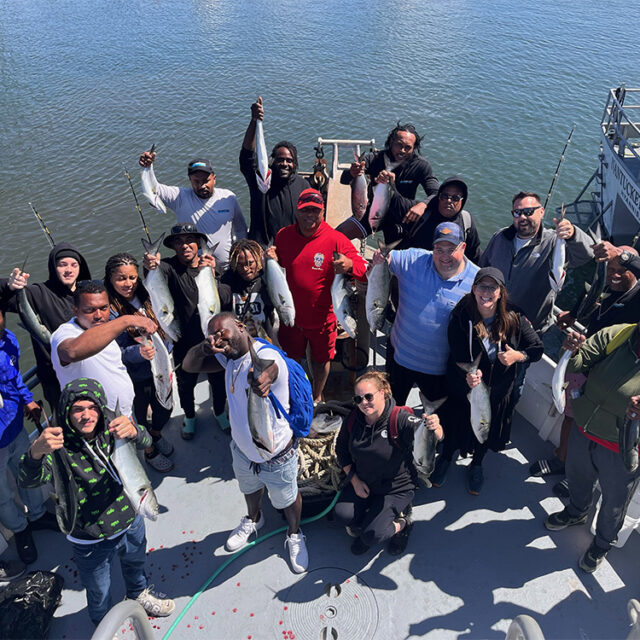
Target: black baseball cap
x=490 y=272
x=200 y=164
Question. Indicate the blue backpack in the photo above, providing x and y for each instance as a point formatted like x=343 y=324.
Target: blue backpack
x=300 y=396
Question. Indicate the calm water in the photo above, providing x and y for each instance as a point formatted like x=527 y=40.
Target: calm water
x=493 y=86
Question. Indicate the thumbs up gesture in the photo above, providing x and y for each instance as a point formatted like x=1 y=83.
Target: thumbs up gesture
x=510 y=356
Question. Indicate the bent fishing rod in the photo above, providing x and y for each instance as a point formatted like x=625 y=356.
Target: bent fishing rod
x=135 y=197
x=43 y=226
x=555 y=175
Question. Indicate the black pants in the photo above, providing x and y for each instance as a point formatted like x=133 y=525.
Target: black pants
x=187 y=383
x=403 y=379
x=374 y=515
x=145 y=397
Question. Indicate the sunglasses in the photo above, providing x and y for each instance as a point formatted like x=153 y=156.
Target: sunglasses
x=525 y=211
x=367 y=396
x=450 y=196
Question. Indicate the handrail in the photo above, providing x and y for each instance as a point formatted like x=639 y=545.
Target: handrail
x=112 y=622
x=336 y=143
x=30 y=378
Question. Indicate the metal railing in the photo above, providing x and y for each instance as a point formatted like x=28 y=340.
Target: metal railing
x=339 y=143
x=617 y=122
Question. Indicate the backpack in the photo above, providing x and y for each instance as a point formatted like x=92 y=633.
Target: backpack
x=300 y=396
x=393 y=423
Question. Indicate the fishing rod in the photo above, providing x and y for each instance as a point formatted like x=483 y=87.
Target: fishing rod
x=43 y=226
x=135 y=197
x=555 y=175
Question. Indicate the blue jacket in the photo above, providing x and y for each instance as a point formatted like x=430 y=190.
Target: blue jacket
x=14 y=392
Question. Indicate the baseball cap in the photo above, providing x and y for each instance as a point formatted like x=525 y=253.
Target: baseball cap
x=489 y=272
x=200 y=164
x=310 y=198
x=448 y=232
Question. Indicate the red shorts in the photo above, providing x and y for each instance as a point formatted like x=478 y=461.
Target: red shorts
x=322 y=341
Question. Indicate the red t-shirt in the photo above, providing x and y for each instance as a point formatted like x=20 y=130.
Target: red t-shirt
x=308 y=262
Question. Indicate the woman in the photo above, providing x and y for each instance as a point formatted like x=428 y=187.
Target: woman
x=376 y=505
x=127 y=295
x=250 y=299
x=483 y=324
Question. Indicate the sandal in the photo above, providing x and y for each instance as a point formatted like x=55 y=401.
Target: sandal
x=188 y=429
x=159 y=462
x=551 y=467
x=163 y=446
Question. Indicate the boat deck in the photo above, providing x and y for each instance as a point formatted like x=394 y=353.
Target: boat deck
x=472 y=563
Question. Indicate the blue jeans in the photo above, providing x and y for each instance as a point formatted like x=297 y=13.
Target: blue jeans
x=11 y=515
x=94 y=566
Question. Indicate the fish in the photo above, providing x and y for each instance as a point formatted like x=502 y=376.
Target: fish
x=381 y=199
x=31 y=321
x=161 y=369
x=208 y=297
x=260 y=410
x=134 y=478
x=162 y=303
x=558 y=384
x=378 y=281
x=558 y=271
x=359 y=193
x=425 y=441
x=1 y=402
x=149 y=188
x=279 y=292
x=342 y=300
x=263 y=174
x=628 y=440
x=480 y=403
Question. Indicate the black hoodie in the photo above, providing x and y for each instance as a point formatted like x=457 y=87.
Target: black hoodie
x=52 y=301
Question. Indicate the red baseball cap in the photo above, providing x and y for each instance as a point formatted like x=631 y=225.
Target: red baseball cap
x=310 y=198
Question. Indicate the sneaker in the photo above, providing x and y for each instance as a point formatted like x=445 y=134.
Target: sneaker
x=159 y=462
x=551 y=467
x=223 y=421
x=475 y=479
x=298 y=555
x=592 y=558
x=241 y=534
x=561 y=489
x=26 y=546
x=358 y=547
x=46 y=521
x=398 y=542
x=11 y=569
x=439 y=472
x=562 y=520
x=188 y=429
x=157 y=605
x=163 y=446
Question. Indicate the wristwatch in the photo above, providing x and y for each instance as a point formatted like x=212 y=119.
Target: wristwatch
x=625 y=256
x=526 y=356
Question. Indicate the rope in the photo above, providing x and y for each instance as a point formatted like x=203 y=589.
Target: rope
x=318 y=470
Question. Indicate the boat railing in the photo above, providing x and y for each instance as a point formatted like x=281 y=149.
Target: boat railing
x=621 y=120
x=343 y=143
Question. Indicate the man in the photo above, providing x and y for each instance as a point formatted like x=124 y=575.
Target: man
x=610 y=358
x=275 y=209
x=181 y=271
x=447 y=205
x=305 y=250
x=105 y=524
x=86 y=347
x=620 y=305
x=524 y=254
x=227 y=348
x=17 y=401
x=412 y=170
x=214 y=211
x=430 y=285
x=52 y=301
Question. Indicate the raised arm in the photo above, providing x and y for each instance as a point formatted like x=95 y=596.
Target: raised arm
x=257 y=113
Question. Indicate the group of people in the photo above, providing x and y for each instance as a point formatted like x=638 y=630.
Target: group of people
x=461 y=317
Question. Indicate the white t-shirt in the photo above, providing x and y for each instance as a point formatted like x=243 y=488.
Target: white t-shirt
x=519 y=243
x=219 y=217
x=106 y=367
x=236 y=377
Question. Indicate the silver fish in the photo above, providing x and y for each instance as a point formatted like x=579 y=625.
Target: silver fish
x=558 y=384
x=263 y=174
x=279 y=292
x=359 y=193
x=155 y=283
x=134 y=478
x=208 y=297
x=558 y=271
x=260 y=410
x=342 y=299
x=381 y=199
x=149 y=188
x=161 y=369
x=480 y=403
x=628 y=440
x=31 y=321
x=378 y=281
x=425 y=441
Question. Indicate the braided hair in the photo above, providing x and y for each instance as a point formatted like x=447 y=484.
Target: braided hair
x=242 y=245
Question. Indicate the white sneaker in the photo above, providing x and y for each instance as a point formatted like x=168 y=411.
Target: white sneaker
x=241 y=534
x=157 y=605
x=298 y=555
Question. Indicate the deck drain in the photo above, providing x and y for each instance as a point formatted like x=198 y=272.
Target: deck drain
x=329 y=604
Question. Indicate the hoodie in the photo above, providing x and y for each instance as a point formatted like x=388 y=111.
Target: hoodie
x=52 y=301
x=103 y=507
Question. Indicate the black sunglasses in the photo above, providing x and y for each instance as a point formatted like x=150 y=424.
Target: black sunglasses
x=450 y=196
x=367 y=396
x=525 y=211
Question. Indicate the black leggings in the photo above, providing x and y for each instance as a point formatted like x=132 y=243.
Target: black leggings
x=374 y=515
x=187 y=383
x=145 y=397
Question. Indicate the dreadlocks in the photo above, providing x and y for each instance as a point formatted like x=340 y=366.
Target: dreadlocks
x=239 y=247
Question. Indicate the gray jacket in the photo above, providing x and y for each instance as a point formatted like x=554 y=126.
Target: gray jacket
x=527 y=272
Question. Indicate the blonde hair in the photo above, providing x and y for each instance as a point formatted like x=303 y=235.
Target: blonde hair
x=377 y=378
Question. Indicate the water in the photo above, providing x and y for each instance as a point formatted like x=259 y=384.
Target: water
x=493 y=86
